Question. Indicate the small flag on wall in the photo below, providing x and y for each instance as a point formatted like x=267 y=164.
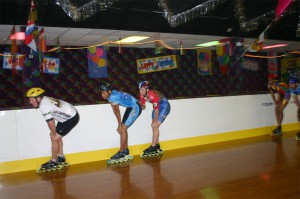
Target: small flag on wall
x=258 y=43
x=97 y=62
x=204 y=62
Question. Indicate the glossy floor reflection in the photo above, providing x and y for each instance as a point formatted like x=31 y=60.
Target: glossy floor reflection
x=255 y=168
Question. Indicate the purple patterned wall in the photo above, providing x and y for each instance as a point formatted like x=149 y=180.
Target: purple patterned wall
x=73 y=85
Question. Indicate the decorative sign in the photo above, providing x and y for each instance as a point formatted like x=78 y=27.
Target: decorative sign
x=204 y=62
x=97 y=62
x=290 y=67
x=249 y=64
x=155 y=64
x=51 y=65
x=8 y=60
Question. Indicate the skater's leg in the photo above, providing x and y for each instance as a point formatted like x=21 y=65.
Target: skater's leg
x=277 y=114
x=55 y=141
x=280 y=113
x=123 y=137
x=155 y=130
x=61 y=148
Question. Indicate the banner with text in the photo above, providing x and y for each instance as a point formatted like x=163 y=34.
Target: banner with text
x=155 y=64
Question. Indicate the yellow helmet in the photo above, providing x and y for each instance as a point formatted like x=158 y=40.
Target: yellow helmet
x=34 y=92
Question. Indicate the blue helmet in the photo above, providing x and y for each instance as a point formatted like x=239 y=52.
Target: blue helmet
x=144 y=84
x=293 y=80
x=105 y=86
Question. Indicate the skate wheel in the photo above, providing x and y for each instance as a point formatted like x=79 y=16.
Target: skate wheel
x=113 y=161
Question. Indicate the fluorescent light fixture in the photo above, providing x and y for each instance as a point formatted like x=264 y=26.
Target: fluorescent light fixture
x=17 y=36
x=274 y=46
x=132 y=39
x=212 y=43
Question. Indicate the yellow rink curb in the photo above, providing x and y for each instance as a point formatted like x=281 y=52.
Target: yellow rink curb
x=91 y=156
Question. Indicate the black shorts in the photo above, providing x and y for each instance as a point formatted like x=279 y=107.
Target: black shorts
x=63 y=128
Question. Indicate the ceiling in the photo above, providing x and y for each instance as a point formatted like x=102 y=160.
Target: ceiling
x=115 y=19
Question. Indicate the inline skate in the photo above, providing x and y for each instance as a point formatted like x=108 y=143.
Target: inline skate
x=61 y=160
x=298 y=137
x=152 y=151
x=49 y=166
x=120 y=157
x=276 y=132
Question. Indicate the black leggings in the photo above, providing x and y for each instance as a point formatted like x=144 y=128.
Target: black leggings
x=63 y=128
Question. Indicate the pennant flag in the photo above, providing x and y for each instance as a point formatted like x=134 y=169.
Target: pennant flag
x=29 y=33
x=29 y=37
x=42 y=41
x=258 y=43
x=97 y=62
x=282 y=6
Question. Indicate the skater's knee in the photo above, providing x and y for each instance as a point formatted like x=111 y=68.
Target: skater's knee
x=123 y=130
x=155 y=125
x=56 y=138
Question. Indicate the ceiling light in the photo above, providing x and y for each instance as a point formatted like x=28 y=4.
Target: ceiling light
x=274 y=46
x=17 y=36
x=212 y=43
x=132 y=39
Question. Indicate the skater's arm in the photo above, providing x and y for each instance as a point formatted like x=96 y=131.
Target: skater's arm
x=156 y=113
x=143 y=107
x=117 y=113
x=273 y=96
x=296 y=100
x=51 y=125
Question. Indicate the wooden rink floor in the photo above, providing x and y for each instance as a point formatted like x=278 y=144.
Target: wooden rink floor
x=254 y=168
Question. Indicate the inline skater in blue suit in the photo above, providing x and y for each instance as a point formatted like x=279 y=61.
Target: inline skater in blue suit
x=133 y=111
x=295 y=91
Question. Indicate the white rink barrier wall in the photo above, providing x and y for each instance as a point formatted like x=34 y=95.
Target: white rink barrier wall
x=25 y=141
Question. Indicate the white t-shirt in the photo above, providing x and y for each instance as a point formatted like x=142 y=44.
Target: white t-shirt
x=57 y=109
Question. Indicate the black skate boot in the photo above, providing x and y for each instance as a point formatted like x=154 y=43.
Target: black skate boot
x=119 y=157
x=298 y=137
x=277 y=132
x=49 y=166
x=159 y=150
x=278 y=128
x=127 y=155
x=150 y=151
x=126 y=151
x=62 y=161
x=157 y=146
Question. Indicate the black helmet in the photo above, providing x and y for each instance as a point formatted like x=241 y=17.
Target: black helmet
x=104 y=86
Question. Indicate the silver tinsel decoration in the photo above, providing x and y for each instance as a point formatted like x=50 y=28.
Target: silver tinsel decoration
x=252 y=24
x=85 y=11
x=186 y=16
